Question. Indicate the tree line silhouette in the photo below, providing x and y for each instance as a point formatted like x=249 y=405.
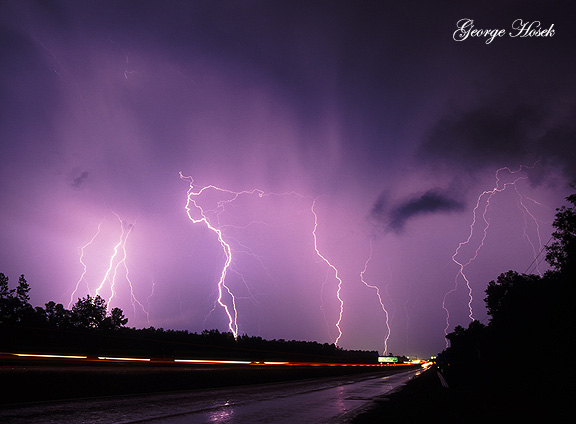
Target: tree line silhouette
x=514 y=363
x=87 y=313
x=89 y=329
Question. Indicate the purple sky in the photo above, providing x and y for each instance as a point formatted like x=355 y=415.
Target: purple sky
x=371 y=108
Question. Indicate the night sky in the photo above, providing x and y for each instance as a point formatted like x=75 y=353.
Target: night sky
x=364 y=121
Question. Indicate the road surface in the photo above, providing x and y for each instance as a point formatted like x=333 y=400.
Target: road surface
x=322 y=400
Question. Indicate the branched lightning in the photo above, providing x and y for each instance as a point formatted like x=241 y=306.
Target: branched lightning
x=111 y=270
x=231 y=312
x=84 y=267
x=117 y=259
x=322 y=288
x=479 y=213
x=197 y=214
x=122 y=262
x=379 y=297
x=333 y=269
x=529 y=216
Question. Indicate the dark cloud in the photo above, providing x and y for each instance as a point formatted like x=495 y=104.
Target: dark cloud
x=506 y=112
x=556 y=147
x=494 y=136
x=396 y=217
x=78 y=181
x=432 y=201
x=379 y=210
x=482 y=136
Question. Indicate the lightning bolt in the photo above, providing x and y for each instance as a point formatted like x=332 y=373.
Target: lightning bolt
x=231 y=312
x=111 y=268
x=339 y=288
x=211 y=220
x=529 y=216
x=128 y=70
x=117 y=260
x=122 y=262
x=379 y=297
x=322 y=289
x=84 y=267
x=479 y=214
x=149 y=298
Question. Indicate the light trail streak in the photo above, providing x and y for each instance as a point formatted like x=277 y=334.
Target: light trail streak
x=113 y=358
x=379 y=297
x=34 y=355
x=207 y=361
x=167 y=361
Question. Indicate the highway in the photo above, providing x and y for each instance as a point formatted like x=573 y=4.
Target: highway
x=334 y=399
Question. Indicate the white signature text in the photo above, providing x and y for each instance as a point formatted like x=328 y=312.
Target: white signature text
x=465 y=29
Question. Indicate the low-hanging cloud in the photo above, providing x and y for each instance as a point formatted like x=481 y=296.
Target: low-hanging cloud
x=395 y=217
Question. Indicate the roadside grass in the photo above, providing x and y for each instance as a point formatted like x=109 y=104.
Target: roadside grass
x=481 y=400
x=422 y=399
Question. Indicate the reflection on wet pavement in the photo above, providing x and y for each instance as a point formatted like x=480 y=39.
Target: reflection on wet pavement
x=322 y=400
x=318 y=402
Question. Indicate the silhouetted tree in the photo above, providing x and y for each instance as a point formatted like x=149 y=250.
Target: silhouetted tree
x=25 y=311
x=512 y=296
x=115 y=320
x=89 y=312
x=561 y=253
x=55 y=328
x=466 y=344
x=6 y=301
x=58 y=316
x=525 y=311
x=14 y=306
x=5 y=291
x=23 y=289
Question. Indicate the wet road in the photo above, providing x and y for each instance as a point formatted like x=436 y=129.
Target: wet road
x=325 y=400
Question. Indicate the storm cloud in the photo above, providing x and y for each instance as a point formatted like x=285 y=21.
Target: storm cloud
x=395 y=217
x=482 y=136
x=371 y=108
x=492 y=136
